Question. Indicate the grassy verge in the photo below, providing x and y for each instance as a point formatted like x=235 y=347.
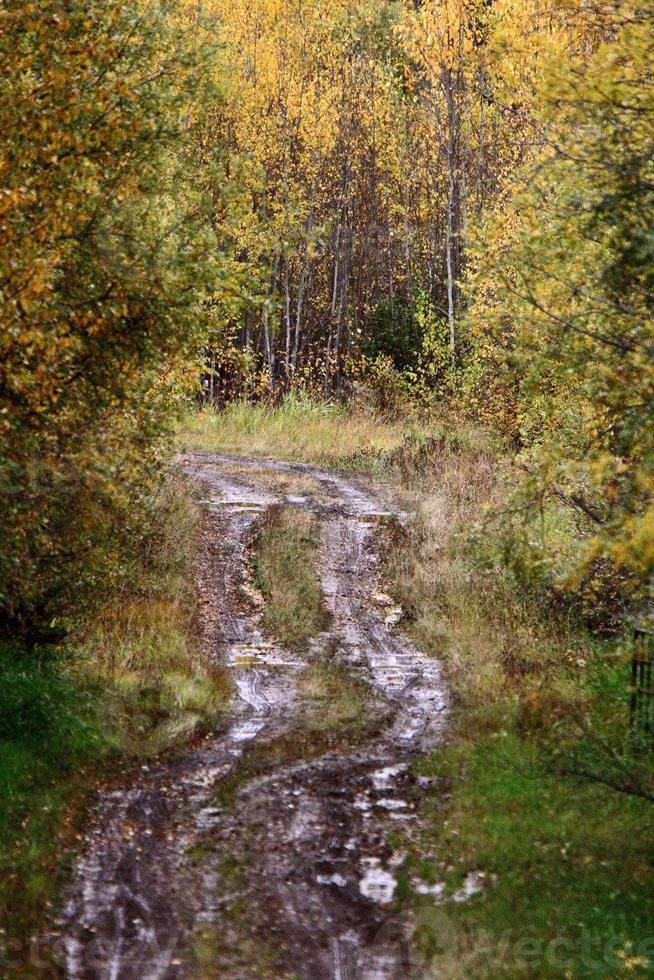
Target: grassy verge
x=298 y=430
x=285 y=553
x=131 y=683
x=157 y=687
x=566 y=869
x=567 y=862
x=50 y=743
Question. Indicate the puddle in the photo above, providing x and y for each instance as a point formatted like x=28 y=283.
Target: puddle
x=393 y=804
x=336 y=879
x=296 y=823
x=474 y=884
x=377 y=884
x=422 y=888
x=244 y=658
x=247 y=730
x=385 y=778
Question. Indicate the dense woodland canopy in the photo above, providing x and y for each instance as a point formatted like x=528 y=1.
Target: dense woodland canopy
x=449 y=199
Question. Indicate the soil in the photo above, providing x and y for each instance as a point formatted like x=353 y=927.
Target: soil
x=208 y=865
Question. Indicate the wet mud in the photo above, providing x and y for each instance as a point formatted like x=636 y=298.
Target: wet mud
x=297 y=875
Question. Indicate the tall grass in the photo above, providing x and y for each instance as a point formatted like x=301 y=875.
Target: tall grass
x=50 y=739
x=298 y=429
x=130 y=683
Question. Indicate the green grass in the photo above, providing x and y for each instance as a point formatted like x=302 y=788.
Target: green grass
x=568 y=868
x=285 y=552
x=131 y=683
x=50 y=744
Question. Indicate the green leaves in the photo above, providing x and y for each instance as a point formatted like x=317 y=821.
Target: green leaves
x=571 y=308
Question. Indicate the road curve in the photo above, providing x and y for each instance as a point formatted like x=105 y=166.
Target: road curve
x=322 y=879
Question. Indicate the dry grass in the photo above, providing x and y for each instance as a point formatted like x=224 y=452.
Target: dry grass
x=285 y=553
x=561 y=858
x=142 y=649
x=298 y=430
x=490 y=636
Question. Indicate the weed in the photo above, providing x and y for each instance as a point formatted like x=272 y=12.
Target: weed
x=130 y=682
x=285 y=551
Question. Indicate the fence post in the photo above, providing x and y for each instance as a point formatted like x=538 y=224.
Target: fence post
x=641 y=711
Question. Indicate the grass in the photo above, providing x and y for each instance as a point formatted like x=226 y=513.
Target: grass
x=236 y=942
x=130 y=684
x=297 y=430
x=568 y=868
x=50 y=744
x=491 y=635
x=157 y=686
x=567 y=861
x=285 y=551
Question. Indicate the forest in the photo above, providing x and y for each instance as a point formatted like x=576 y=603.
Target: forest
x=326 y=451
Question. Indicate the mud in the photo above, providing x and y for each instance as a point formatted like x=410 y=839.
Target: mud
x=312 y=841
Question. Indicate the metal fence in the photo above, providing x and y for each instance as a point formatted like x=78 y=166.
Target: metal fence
x=642 y=682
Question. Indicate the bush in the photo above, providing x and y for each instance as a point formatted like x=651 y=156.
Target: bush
x=40 y=703
x=103 y=258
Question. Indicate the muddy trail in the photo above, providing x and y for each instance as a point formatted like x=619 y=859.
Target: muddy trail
x=218 y=865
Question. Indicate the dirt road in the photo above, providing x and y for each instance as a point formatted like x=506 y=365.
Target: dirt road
x=296 y=877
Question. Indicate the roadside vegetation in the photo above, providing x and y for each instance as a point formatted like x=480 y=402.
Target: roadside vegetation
x=540 y=718
x=285 y=551
x=104 y=253
x=540 y=725
x=129 y=683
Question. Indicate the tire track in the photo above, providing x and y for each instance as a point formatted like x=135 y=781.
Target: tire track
x=323 y=877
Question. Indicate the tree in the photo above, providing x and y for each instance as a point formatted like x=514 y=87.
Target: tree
x=570 y=312
x=102 y=261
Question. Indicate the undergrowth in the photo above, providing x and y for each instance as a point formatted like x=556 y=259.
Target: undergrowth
x=285 y=552
x=158 y=686
x=50 y=743
x=127 y=684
